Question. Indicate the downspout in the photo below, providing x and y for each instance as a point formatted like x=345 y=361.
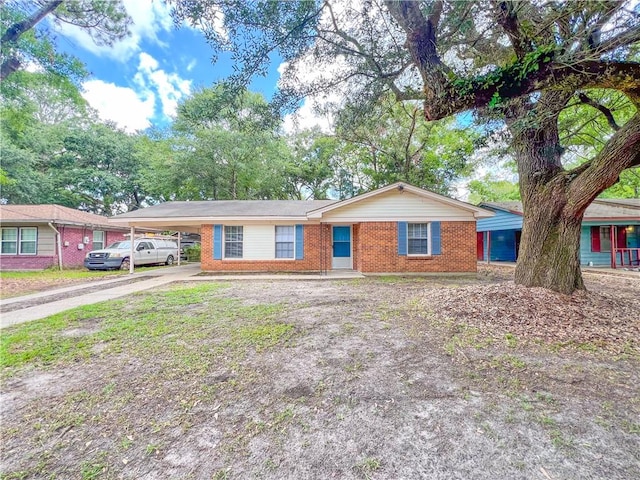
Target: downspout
x=58 y=245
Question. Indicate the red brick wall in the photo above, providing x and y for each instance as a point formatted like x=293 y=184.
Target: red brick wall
x=375 y=249
x=27 y=262
x=378 y=245
x=71 y=256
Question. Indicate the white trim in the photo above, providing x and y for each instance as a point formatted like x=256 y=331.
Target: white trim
x=224 y=243
x=429 y=249
x=350 y=267
x=275 y=241
x=401 y=186
x=19 y=242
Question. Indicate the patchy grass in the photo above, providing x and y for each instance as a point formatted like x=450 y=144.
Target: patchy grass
x=315 y=379
x=174 y=321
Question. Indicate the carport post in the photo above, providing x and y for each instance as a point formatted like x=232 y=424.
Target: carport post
x=179 y=244
x=132 y=252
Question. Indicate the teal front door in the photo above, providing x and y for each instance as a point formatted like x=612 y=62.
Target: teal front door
x=341 y=257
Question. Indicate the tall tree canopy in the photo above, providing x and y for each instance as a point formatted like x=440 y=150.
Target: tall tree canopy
x=393 y=142
x=522 y=62
x=222 y=146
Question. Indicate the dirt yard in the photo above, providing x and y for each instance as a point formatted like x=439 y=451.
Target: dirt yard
x=384 y=378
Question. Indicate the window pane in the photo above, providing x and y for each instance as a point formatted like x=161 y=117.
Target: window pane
x=9 y=247
x=284 y=233
x=98 y=239
x=9 y=241
x=28 y=238
x=417 y=230
x=28 y=248
x=233 y=242
x=28 y=234
x=9 y=234
x=284 y=249
x=417 y=247
x=417 y=242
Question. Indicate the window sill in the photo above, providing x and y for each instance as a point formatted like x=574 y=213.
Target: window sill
x=420 y=257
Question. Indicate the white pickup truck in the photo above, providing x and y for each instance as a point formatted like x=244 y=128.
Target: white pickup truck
x=147 y=251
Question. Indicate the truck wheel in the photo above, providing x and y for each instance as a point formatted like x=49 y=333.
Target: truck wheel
x=125 y=264
x=169 y=260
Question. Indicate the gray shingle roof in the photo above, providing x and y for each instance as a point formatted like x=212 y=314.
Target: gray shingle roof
x=50 y=213
x=228 y=208
x=601 y=208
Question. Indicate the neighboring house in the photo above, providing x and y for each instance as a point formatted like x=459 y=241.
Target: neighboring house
x=398 y=228
x=36 y=237
x=607 y=222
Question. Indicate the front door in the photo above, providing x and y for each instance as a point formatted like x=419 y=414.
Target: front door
x=341 y=257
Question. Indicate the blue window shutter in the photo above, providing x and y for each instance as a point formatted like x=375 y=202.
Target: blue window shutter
x=217 y=242
x=402 y=238
x=299 y=242
x=435 y=238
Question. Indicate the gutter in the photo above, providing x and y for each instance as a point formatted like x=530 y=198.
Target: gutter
x=58 y=244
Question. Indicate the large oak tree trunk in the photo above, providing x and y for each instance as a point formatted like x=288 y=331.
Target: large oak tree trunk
x=549 y=254
x=554 y=199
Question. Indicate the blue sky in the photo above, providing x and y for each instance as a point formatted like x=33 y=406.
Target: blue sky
x=139 y=81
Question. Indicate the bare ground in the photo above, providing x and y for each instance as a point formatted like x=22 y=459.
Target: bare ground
x=433 y=378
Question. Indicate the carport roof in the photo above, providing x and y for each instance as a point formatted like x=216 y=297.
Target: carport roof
x=226 y=208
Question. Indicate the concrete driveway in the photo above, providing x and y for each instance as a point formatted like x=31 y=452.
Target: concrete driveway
x=43 y=304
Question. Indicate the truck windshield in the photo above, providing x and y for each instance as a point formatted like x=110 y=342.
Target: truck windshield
x=120 y=245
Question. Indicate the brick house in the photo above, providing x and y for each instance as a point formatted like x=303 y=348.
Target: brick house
x=35 y=237
x=397 y=228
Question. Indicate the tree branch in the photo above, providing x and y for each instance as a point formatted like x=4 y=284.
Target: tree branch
x=604 y=110
x=14 y=31
x=505 y=84
x=618 y=154
x=508 y=20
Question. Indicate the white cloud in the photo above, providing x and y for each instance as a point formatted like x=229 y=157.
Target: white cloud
x=170 y=87
x=191 y=65
x=149 y=17
x=127 y=108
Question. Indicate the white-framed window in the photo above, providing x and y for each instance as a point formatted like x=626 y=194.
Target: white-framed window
x=418 y=239
x=605 y=239
x=28 y=240
x=285 y=235
x=98 y=239
x=233 y=236
x=19 y=241
x=9 y=241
